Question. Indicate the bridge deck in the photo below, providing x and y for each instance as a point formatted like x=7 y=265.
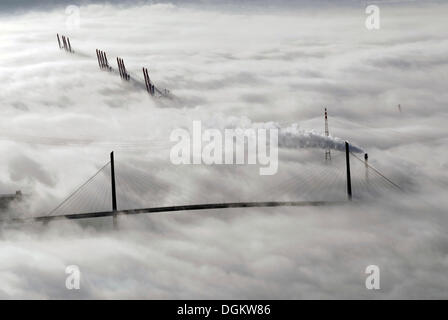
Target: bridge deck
x=192 y=207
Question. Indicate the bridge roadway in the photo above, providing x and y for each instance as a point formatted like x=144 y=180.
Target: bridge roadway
x=191 y=207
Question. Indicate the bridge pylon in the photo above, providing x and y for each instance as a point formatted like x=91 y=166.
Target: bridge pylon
x=366 y=164
x=349 y=179
x=114 y=194
x=327 y=134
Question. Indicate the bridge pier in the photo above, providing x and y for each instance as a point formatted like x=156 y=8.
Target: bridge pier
x=366 y=165
x=114 y=195
x=349 y=179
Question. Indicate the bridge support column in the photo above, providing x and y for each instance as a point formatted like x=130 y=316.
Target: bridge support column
x=114 y=195
x=349 y=179
x=366 y=164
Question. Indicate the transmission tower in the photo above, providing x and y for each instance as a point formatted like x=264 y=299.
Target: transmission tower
x=327 y=134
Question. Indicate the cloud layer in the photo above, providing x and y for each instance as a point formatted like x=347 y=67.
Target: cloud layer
x=61 y=116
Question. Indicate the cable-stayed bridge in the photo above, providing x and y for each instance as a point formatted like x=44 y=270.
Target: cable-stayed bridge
x=120 y=189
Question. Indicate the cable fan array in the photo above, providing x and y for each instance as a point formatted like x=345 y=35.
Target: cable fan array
x=161 y=185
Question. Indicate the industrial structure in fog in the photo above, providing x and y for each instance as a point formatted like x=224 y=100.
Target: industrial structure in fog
x=125 y=75
x=149 y=86
x=102 y=60
x=64 y=43
x=7 y=199
x=122 y=69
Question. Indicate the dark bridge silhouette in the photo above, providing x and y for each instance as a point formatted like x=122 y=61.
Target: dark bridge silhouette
x=193 y=207
x=115 y=212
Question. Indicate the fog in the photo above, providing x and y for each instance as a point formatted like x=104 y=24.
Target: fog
x=227 y=66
